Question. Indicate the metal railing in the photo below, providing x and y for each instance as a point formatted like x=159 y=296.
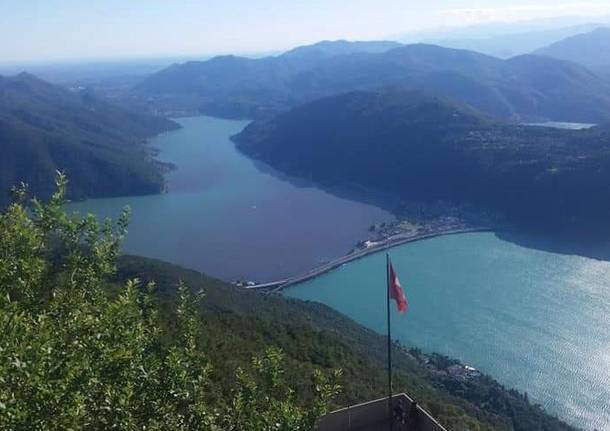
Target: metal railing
x=407 y=415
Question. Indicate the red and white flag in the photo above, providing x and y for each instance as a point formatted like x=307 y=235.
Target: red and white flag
x=396 y=292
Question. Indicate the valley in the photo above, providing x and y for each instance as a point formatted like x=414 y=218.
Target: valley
x=199 y=206
x=232 y=217
x=243 y=283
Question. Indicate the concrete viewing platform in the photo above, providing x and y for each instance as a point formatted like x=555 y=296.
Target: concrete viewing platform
x=374 y=416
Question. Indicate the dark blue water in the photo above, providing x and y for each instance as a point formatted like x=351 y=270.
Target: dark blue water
x=227 y=217
x=536 y=321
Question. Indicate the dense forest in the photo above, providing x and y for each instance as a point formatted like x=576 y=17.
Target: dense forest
x=523 y=88
x=45 y=128
x=91 y=338
x=421 y=148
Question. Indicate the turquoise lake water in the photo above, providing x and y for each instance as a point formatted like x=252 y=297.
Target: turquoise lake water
x=231 y=217
x=534 y=320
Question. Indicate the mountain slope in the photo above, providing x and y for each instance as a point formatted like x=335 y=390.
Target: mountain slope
x=516 y=89
x=511 y=42
x=327 y=48
x=417 y=147
x=239 y=322
x=223 y=72
x=513 y=89
x=591 y=49
x=243 y=87
x=44 y=128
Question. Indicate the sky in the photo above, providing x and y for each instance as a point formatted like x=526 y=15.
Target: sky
x=48 y=30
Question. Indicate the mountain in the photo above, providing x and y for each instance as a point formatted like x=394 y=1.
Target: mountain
x=422 y=148
x=328 y=48
x=241 y=87
x=522 y=88
x=95 y=71
x=590 y=49
x=44 y=128
x=532 y=88
x=238 y=323
x=509 y=43
x=499 y=28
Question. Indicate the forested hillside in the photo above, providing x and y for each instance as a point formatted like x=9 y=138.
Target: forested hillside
x=528 y=87
x=424 y=148
x=45 y=128
x=85 y=348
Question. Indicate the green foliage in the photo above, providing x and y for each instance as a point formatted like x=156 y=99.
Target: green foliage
x=426 y=150
x=264 y=401
x=77 y=354
x=313 y=337
x=45 y=127
x=81 y=348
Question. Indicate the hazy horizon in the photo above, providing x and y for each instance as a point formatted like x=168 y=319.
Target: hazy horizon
x=60 y=31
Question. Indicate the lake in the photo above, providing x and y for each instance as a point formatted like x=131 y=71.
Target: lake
x=536 y=321
x=231 y=217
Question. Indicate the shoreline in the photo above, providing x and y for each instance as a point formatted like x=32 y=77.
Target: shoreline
x=401 y=239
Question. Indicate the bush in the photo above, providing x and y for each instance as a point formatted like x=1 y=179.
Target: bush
x=77 y=354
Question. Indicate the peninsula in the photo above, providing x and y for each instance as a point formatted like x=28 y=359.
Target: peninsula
x=420 y=148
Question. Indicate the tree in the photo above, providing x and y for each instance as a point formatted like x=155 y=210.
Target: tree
x=263 y=401
x=75 y=353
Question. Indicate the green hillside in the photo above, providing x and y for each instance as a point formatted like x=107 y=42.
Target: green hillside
x=45 y=128
x=84 y=348
x=525 y=88
x=313 y=336
x=421 y=148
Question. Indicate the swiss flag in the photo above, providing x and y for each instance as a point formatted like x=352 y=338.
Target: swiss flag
x=396 y=291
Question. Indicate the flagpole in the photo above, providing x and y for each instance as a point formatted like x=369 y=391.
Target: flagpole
x=390 y=407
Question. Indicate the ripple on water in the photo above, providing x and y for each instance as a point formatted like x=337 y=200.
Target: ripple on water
x=536 y=321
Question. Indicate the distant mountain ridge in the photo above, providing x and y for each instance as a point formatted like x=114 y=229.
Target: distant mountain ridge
x=328 y=48
x=421 y=148
x=241 y=87
x=526 y=88
x=511 y=43
x=44 y=128
x=224 y=72
x=591 y=49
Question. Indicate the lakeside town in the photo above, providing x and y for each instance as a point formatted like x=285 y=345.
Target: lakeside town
x=389 y=232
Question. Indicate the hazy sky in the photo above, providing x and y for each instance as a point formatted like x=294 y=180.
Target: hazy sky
x=76 y=29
